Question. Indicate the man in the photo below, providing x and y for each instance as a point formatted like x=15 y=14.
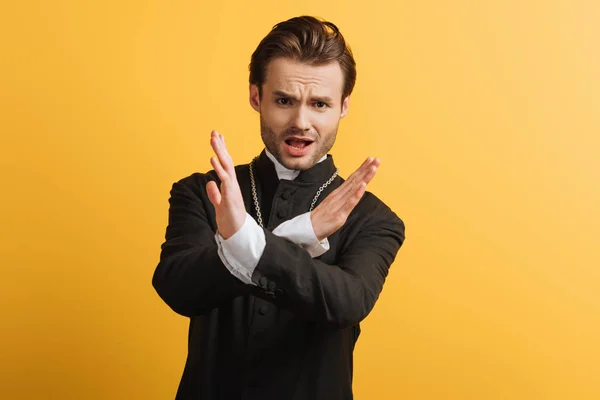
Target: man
x=277 y=262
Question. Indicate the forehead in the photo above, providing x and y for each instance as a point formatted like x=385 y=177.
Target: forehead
x=290 y=75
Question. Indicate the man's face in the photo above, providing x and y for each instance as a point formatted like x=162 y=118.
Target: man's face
x=300 y=110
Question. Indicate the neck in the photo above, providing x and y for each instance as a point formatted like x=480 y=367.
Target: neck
x=283 y=172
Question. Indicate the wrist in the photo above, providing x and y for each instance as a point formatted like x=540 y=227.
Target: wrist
x=228 y=229
x=315 y=227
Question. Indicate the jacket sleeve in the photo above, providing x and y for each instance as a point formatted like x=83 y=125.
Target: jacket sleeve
x=190 y=276
x=335 y=295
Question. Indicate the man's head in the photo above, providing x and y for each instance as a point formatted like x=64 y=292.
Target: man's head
x=301 y=77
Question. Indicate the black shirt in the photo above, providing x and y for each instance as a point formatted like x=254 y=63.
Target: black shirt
x=292 y=335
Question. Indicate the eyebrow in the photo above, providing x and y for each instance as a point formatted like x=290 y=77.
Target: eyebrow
x=324 y=99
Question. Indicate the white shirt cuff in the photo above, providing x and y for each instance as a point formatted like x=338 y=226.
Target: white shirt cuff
x=300 y=231
x=242 y=251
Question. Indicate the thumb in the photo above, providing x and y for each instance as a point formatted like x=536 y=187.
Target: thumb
x=213 y=193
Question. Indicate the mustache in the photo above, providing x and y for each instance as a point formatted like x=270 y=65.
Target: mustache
x=300 y=134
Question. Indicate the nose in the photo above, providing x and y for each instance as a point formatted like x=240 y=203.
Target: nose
x=301 y=119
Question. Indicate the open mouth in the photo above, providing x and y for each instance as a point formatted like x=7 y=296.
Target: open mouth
x=298 y=143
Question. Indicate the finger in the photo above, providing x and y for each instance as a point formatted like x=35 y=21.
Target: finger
x=338 y=198
x=360 y=170
x=218 y=144
x=213 y=193
x=221 y=141
x=370 y=174
x=230 y=167
x=350 y=185
x=367 y=172
x=221 y=173
x=368 y=177
x=354 y=199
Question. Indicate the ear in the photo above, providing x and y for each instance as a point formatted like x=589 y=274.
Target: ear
x=345 y=106
x=254 y=97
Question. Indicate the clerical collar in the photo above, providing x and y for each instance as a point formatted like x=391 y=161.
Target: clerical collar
x=283 y=172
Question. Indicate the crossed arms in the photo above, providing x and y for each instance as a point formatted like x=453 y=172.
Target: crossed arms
x=192 y=278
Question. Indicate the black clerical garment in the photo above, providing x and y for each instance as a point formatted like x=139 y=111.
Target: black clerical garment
x=292 y=335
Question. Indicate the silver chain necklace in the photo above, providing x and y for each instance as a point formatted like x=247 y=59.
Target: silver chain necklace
x=255 y=196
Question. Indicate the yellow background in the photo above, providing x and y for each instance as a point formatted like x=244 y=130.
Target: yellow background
x=486 y=115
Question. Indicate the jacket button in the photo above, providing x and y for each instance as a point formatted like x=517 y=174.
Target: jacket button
x=286 y=195
x=263 y=281
x=281 y=214
x=263 y=310
x=271 y=286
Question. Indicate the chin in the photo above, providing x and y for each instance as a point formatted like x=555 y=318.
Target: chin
x=295 y=164
x=298 y=163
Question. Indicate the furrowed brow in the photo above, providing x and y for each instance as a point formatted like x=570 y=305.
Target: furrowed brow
x=323 y=99
x=281 y=93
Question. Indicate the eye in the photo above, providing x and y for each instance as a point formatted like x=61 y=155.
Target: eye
x=283 y=101
x=321 y=104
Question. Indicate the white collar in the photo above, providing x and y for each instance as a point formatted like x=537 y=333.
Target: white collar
x=283 y=172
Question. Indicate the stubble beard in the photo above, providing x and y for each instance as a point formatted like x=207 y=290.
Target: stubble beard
x=272 y=141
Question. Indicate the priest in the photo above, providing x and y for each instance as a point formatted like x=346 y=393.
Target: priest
x=277 y=261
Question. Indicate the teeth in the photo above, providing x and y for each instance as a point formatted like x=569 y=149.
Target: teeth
x=298 y=143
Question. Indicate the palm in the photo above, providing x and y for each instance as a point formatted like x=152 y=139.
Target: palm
x=227 y=198
x=332 y=213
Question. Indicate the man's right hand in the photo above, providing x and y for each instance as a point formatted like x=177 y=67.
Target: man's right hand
x=228 y=201
x=332 y=213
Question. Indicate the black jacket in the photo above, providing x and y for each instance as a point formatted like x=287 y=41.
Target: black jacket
x=292 y=336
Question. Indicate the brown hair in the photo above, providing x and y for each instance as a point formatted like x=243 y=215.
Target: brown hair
x=308 y=40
